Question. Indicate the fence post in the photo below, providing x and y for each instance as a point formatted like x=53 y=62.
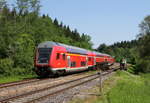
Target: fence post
x=100 y=82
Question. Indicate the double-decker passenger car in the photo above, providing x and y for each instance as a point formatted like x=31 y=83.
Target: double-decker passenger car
x=56 y=58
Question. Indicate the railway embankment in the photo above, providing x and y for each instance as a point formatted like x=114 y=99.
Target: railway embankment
x=122 y=87
x=54 y=92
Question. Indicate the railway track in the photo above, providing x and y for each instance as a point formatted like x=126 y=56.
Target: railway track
x=10 y=84
x=51 y=90
x=4 y=85
x=78 y=83
x=15 y=89
x=17 y=83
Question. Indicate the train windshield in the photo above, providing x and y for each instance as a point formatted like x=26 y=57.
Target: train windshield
x=44 y=55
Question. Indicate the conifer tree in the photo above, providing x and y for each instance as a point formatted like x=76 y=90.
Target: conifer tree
x=56 y=22
x=61 y=24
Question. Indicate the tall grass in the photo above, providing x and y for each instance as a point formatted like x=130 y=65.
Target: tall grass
x=130 y=89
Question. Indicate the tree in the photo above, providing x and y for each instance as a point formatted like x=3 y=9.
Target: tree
x=145 y=26
x=144 y=46
x=102 y=48
x=2 y=4
x=35 y=6
x=28 y=6
x=56 y=22
x=22 y=29
x=61 y=24
x=23 y=6
x=143 y=60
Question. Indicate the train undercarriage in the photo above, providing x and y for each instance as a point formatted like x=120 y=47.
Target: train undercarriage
x=48 y=72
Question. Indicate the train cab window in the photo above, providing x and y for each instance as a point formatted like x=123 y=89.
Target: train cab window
x=64 y=56
x=58 y=56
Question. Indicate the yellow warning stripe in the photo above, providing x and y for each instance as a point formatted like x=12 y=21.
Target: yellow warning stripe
x=70 y=54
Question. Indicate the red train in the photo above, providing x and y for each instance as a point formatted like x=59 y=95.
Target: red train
x=55 y=58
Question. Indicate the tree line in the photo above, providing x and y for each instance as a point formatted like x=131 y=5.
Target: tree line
x=22 y=28
x=137 y=52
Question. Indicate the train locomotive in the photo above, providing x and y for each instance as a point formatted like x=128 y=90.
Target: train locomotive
x=54 y=58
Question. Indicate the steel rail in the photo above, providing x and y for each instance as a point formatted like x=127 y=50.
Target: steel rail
x=53 y=86
x=37 y=91
x=5 y=85
x=64 y=89
x=17 y=83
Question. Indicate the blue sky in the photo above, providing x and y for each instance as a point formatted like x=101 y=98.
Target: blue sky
x=106 y=21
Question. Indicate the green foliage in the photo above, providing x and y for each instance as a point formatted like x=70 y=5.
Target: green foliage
x=6 y=66
x=24 y=52
x=132 y=69
x=137 y=52
x=2 y=3
x=143 y=64
x=22 y=29
x=119 y=50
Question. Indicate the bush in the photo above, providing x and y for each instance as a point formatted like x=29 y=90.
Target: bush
x=19 y=71
x=6 y=66
x=132 y=69
x=143 y=65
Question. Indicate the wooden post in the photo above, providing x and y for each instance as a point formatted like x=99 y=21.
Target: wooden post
x=100 y=82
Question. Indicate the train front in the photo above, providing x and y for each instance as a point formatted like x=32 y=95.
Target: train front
x=42 y=59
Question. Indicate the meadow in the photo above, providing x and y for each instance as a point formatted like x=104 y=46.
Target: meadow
x=130 y=89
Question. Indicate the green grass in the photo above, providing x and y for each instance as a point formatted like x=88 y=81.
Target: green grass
x=129 y=89
x=123 y=87
x=15 y=78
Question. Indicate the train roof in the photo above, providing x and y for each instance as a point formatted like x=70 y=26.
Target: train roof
x=73 y=49
x=100 y=54
x=47 y=44
x=70 y=49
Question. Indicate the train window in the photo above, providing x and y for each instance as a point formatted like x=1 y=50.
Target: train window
x=83 y=63
x=44 y=55
x=89 y=59
x=73 y=64
x=64 y=56
x=58 y=56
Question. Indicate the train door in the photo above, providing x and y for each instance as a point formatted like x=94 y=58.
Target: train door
x=86 y=61
x=94 y=60
x=68 y=61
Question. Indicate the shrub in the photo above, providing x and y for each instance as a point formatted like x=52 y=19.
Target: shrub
x=6 y=66
x=143 y=65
